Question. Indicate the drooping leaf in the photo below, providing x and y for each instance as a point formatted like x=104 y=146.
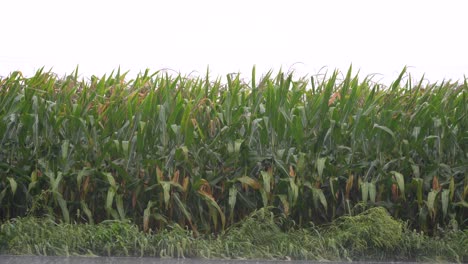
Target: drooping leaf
x=212 y=203
x=63 y=207
x=400 y=181
x=87 y=212
x=319 y=194
x=285 y=203
x=254 y=184
x=13 y=185
x=431 y=202
x=321 y=166
x=386 y=129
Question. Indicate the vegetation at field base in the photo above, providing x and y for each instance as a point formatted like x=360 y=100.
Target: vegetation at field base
x=161 y=150
x=371 y=235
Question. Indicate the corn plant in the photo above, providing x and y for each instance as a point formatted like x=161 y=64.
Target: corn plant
x=161 y=149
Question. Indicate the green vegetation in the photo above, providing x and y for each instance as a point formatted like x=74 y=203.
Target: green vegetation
x=194 y=157
x=371 y=235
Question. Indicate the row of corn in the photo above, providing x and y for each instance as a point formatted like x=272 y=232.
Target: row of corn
x=204 y=153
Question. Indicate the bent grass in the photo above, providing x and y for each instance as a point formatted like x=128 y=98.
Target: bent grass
x=370 y=235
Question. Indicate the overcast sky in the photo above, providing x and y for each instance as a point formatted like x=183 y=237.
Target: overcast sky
x=231 y=36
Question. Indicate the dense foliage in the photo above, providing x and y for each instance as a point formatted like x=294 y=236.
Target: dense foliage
x=371 y=235
x=204 y=154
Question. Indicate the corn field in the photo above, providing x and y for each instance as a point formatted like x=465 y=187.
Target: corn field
x=161 y=149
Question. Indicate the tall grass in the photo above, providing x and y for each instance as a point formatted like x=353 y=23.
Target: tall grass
x=162 y=149
x=371 y=235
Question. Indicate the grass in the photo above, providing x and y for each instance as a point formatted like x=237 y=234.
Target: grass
x=371 y=235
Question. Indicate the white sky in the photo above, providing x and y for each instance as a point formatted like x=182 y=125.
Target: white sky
x=231 y=36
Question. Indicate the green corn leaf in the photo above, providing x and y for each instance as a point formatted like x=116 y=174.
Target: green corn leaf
x=264 y=195
x=214 y=216
x=293 y=191
x=416 y=171
x=87 y=212
x=415 y=134
x=142 y=125
x=110 y=179
x=321 y=166
x=110 y=198
x=319 y=196
x=31 y=186
x=175 y=128
x=166 y=191
x=237 y=145
x=63 y=207
x=109 y=202
x=322 y=198
x=452 y=188
x=13 y=185
x=396 y=83
x=125 y=146
x=386 y=129
x=185 y=151
x=33 y=176
x=431 y=202
x=232 y=200
x=372 y=191
x=81 y=174
x=418 y=182
x=266 y=181
x=146 y=216
x=182 y=207
x=56 y=182
x=461 y=204
x=364 y=191
x=120 y=206
x=285 y=203
x=65 y=145
x=400 y=181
